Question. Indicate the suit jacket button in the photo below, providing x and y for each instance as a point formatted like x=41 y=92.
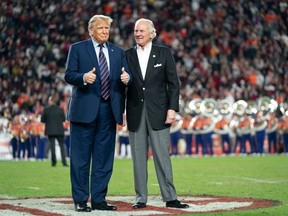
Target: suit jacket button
x=143 y=88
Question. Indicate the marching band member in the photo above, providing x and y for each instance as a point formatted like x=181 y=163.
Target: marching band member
x=196 y=125
x=222 y=126
x=186 y=131
x=241 y=124
x=234 y=126
x=175 y=134
x=34 y=135
x=271 y=131
x=14 y=130
x=24 y=141
x=283 y=130
x=204 y=125
x=207 y=131
x=43 y=142
x=259 y=126
x=208 y=107
x=123 y=141
x=196 y=128
x=245 y=125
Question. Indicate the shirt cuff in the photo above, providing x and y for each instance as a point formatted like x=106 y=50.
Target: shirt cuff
x=84 y=82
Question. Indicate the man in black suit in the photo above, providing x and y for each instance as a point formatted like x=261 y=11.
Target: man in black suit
x=152 y=103
x=53 y=117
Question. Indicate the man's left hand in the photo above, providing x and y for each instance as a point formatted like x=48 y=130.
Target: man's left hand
x=124 y=76
x=170 y=116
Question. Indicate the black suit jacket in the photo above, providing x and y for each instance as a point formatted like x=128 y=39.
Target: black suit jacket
x=53 y=117
x=160 y=88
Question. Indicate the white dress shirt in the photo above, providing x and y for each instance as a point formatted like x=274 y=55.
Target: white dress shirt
x=143 y=57
x=105 y=51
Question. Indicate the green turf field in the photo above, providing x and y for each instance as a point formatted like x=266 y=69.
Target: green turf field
x=256 y=177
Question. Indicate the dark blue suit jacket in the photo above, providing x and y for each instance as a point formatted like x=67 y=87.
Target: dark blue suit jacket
x=85 y=99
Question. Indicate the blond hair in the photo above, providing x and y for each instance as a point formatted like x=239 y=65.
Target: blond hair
x=95 y=18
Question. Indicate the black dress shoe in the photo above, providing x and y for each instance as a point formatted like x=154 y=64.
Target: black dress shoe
x=103 y=206
x=139 y=205
x=82 y=207
x=176 y=204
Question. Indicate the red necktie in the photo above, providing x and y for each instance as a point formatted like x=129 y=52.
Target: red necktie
x=104 y=73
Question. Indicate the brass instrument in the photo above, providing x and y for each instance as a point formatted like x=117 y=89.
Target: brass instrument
x=239 y=107
x=225 y=107
x=263 y=119
x=204 y=122
x=195 y=123
x=241 y=123
x=208 y=107
x=267 y=105
x=251 y=108
x=259 y=122
x=225 y=111
x=194 y=106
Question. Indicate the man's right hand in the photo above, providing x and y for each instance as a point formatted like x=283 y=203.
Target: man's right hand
x=90 y=76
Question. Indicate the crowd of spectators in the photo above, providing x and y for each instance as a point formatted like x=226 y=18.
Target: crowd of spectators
x=220 y=46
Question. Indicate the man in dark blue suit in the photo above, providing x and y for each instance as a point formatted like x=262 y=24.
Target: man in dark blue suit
x=93 y=114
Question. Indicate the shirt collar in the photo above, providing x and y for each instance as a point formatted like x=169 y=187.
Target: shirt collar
x=147 y=47
x=95 y=44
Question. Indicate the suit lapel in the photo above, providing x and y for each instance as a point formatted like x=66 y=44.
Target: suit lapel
x=111 y=53
x=136 y=63
x=152 y=59
x=92 y=55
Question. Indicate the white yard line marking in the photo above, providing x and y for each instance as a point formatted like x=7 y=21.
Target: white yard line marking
x=259 y=180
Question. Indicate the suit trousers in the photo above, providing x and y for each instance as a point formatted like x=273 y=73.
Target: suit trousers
x=92 y=143
x=160 y=143
x=52 y=141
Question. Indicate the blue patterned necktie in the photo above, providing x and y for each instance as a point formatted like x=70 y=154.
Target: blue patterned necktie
x=104 y=73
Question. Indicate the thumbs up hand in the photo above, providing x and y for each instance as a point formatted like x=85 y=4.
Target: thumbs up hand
x=90 y=76
x=124 y=76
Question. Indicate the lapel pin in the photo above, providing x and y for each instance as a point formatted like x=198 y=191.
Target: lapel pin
x=154 y=56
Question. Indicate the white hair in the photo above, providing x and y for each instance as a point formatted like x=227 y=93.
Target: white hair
x=151 y=26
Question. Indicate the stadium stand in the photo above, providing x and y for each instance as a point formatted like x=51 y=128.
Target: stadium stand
x=224 y=49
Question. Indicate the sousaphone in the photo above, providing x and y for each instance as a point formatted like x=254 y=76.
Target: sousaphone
x=239 y=107
x=208 y=107
x=194 y=106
